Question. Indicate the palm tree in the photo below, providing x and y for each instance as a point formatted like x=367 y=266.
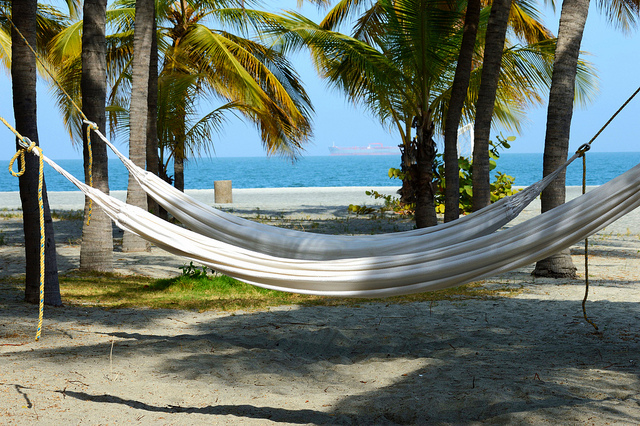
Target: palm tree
x=202 y=62
x=138 y=111
x=23 y=72
x=183 y=131
x=524 y=22
x=400 y=62
x=491 y=63
x=96 y=251
x=561 y=98
x=459 y=88
x=153 y=162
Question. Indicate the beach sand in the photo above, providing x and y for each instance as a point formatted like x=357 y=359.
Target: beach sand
x=529 y=358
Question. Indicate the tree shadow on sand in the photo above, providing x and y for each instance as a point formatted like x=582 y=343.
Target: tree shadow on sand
x=502 y=360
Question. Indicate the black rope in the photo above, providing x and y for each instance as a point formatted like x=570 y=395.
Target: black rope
x=586 y=250
x=582 y=151
x=584 y=148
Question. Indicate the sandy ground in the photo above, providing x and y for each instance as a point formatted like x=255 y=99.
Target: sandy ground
x=526 y=359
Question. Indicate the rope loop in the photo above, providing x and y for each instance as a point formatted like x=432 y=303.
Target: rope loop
x=583 y=149
x=22 y=167
x=20 y=154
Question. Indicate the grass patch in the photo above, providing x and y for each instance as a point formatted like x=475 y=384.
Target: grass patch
x=67 y=214
x=10 y=214
x=219 y=292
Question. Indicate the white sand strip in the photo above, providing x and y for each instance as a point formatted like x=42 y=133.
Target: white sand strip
x=300 y=202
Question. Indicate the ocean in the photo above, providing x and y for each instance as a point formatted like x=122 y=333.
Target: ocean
x=275 y=172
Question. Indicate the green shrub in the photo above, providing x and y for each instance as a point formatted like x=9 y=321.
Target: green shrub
x=500 y=188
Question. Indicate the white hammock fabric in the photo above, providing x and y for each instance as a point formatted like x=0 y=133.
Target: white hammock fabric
x=292 y=244
x=388 y=275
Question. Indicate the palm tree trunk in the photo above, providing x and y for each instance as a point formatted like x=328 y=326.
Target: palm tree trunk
x=494 y=46
x=96 y=251
x=138 y=115
x=23 y=72
x=560 y=111
x=178 y=166
x=425 y=213
x=454 y=113
x=407 y=158
x=153 y=162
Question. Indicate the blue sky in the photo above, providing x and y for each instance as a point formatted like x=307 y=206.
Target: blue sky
x=616 y=57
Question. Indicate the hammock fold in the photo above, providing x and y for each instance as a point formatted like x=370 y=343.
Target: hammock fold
x=222 y=226
x=388 y=274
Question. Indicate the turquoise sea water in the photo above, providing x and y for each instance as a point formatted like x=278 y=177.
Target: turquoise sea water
x=258 y=172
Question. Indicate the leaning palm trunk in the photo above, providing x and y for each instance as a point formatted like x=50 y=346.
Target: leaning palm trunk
x=572 y=20
x=153 y=162
x=142 y=42
x=454 y=113
x=23 y=72
x=494 y=47
x=96 y=251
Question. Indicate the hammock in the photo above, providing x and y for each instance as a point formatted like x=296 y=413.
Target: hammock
x=387 y=275
x=292 y=244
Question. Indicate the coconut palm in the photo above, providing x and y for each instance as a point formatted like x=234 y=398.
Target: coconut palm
x=96 y=251
x=231 y=69
x=459 y=88
x=23 y=72
x=399 y=63
x=138 y=110
x=491 y=63
x=623 y=13
x=183 y=130
x=524 y=22
x=152 y=115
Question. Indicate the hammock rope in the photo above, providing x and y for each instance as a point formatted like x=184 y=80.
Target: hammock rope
x=45 y=67
x=586 y=252
x=90 y=126
x=27 y=146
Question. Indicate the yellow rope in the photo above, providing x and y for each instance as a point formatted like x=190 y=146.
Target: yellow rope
x=44 y=66
x=90 y=126
x=20 y=154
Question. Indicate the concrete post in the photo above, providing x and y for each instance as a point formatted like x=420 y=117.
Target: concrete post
x=222 y=191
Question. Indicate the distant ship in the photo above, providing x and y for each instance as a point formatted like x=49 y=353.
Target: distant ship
x=371 y=149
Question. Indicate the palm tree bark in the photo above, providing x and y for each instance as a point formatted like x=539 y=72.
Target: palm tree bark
x=494 y=46
x=138 y=115
x=23 y=72
x=422 y=172
x=178 y=166
x=96 y=251
x=153 y=162
x=560 y=111
x=454 y=113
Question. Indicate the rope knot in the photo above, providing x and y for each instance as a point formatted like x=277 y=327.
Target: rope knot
x=583 y=149
x=33 y=148
x=91 y=125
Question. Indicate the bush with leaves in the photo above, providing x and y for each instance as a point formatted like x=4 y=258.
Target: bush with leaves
x=500 y=188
